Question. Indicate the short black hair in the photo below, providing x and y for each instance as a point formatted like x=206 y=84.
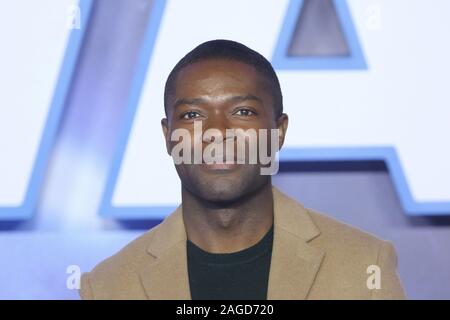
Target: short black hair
x=228 y=50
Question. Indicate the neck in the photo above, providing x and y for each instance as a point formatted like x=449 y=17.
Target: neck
x=225 y=228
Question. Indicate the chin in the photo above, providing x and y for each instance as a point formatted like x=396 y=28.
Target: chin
x=225 y=187
x=222 y=191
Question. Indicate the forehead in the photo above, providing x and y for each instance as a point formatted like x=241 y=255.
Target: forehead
x=218 y=77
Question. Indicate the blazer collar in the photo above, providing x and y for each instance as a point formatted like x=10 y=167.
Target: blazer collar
x=294 y=263
x=166 y=278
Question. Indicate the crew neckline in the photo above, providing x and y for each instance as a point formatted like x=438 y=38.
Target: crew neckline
x=242 y=256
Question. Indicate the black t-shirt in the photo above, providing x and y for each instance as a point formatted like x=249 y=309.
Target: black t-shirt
x=241 y=275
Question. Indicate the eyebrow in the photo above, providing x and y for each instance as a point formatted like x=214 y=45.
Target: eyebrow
x=197 y=101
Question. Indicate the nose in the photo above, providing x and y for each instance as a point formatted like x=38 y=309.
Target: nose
x=220 y=122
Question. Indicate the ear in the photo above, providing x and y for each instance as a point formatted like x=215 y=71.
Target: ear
x=165 y=128
x=282 y=125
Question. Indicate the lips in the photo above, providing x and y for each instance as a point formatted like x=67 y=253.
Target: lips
x=220 y=166
x=220 y=163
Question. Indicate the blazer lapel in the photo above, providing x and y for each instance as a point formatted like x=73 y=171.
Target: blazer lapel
x=294 y=263
x=166 y=277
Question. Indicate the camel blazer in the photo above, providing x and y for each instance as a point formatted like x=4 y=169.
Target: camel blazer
x=313 y=257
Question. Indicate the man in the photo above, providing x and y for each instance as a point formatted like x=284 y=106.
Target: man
x=235 y=236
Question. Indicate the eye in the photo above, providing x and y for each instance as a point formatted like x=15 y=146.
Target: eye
x=190 y=115
x=245 y=112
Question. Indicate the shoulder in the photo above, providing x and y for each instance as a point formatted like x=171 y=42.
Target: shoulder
x=351 y=256
x=110 y=276
x=118 y=277
x=337 y=233
x=344 y=242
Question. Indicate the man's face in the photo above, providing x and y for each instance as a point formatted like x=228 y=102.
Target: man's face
x=222 y=95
